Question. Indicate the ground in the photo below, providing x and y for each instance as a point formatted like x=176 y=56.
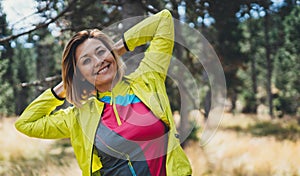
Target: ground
x=245 y=145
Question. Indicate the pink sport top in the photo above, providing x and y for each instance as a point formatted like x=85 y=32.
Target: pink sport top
x=130 y=140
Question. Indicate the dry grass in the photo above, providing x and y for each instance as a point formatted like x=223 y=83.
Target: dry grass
x=22 y=155
x=241 y=120
x=15 y=146
x=229 y=153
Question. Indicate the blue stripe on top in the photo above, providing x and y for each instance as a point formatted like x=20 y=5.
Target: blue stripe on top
x=122 y=100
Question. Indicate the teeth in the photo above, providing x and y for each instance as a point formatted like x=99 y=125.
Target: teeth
x=103 y=70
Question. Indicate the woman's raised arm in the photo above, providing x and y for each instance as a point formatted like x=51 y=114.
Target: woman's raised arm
x=159 y=31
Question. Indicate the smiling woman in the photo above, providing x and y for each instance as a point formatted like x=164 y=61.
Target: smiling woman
x=89 y=62
x=120 y=125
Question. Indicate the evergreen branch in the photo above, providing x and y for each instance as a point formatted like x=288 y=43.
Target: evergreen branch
x=41 y=25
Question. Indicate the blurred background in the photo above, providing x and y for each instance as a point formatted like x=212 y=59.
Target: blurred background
x=257 y=42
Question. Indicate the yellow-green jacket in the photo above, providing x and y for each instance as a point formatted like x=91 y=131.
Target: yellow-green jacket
x=147 y=83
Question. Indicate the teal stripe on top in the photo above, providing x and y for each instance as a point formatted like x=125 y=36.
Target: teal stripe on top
x=122 y=100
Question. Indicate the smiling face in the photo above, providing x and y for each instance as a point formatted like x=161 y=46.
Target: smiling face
x=96 y=64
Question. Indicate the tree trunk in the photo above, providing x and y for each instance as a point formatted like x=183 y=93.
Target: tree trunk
x=253 y=70
x=132 y=8
x=254 y=82
x=269 y=64
x=253 y=75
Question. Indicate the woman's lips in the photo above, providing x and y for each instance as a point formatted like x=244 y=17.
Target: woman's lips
x=103 y=70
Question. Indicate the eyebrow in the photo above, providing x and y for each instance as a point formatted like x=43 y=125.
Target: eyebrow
x=87 y=54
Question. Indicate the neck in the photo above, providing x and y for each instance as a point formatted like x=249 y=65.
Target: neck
x=105 y=88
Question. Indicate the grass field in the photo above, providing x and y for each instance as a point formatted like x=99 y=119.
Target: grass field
x=246 y=145
x=243 y=145
x=24 y=156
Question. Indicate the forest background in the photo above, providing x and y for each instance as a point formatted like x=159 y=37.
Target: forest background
x=257 y=42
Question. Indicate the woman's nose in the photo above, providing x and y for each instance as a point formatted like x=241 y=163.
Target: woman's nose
x=98 y=61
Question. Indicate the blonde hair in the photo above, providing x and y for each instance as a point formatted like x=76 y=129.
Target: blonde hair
x=78 y=90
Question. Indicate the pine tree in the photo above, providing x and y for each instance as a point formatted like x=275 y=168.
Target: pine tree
x=287 y=65
x=6 y=89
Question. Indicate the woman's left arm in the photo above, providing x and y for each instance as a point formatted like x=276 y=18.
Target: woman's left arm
x=159 y=31
x=37 y=120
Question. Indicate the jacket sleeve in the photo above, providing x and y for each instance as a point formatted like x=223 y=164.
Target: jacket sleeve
x=159 y=31
x=37 y=120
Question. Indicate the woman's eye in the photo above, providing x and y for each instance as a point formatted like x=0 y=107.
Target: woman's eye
x=86 y=61
x=100 y=52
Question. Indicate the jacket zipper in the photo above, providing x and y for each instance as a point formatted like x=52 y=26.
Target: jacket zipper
x=122 y=154
x=93 y=148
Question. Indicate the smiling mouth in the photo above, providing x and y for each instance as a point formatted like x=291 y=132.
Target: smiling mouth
x=103 y=70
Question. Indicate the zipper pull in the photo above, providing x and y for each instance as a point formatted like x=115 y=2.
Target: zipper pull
x=130 y=166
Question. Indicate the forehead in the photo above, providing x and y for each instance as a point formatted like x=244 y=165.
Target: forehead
x=88 y=47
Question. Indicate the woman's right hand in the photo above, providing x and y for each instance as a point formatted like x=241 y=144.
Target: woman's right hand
x=119 y=47
x=60 y=90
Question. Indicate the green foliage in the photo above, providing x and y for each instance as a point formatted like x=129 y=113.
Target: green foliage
x=266 y=128
x=253 y=71
x=279 y=130
x=24 y=66
x=6 y=70
x=238 y=41
x=48 y=55
x=6 y=91
x=228 y=34
x=287 y=65
x=284 y=50
x=250 y=102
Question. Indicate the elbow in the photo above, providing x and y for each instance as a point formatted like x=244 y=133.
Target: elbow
x=166 y=13
x=22 y=126
x=19 y=125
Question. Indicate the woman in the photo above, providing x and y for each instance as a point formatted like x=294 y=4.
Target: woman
x=120 y=125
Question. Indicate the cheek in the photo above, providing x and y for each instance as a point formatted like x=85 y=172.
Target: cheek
x=114 y=62
x=85 y=71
